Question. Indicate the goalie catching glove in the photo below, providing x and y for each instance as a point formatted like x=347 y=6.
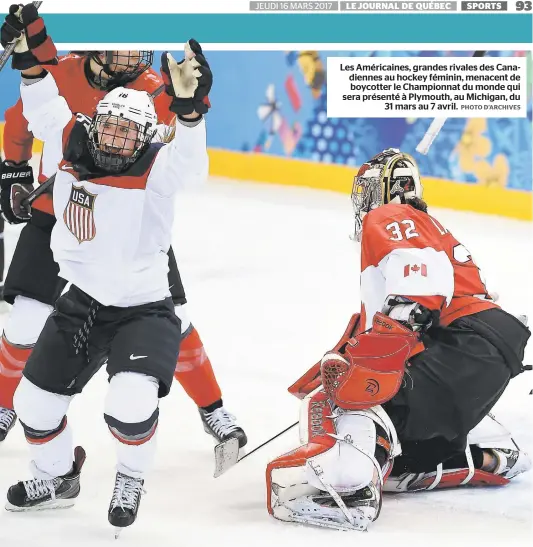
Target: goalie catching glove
x=189 y=81
x=33 y=46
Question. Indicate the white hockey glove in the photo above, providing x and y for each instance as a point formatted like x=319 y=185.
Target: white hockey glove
x=189 y=81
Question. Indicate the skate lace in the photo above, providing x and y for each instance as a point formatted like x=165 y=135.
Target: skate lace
x=126 y=492
x=221 y=421
x=40 y=488
x=6 y=418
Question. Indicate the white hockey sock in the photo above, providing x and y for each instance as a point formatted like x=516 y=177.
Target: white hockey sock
x=54 y=458
x=135 y=460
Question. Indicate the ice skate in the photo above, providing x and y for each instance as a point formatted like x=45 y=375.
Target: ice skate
x=125 y=502
x=220 y=424
x=8 y=418
x=40 y=494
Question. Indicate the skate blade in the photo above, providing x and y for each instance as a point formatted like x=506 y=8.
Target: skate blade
x=117 y=531
x=47 y=505
x=226 y=456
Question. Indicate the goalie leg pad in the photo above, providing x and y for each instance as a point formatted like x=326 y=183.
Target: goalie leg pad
x=490 y=436
x=494 y=437
x=335 y=479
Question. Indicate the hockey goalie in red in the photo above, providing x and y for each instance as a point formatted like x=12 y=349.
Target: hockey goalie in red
x=401 y=404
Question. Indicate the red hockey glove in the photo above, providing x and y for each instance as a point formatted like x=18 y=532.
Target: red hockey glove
x=26 y=29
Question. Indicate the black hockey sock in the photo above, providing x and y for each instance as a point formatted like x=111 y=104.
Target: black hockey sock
x=212 y=407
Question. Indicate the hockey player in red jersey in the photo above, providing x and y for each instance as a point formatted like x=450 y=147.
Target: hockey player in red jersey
x=402 y=403
x=32 y=284
x=114 y=201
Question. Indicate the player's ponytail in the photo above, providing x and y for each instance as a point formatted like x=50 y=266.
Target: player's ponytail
x=417 y=203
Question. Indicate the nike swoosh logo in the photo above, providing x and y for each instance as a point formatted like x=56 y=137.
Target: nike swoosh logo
x=135 y=357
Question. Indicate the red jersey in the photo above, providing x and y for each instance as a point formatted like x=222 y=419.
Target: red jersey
x=81 y=97
x=406 y=252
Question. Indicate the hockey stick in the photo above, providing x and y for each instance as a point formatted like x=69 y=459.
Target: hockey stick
x=227 y=452
x=39 y=191
x=9 y=49
x=436 y=125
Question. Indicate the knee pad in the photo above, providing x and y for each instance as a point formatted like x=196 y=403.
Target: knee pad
x=181 y=312
x=131 y=407
x=41 y=413
x=26 y=321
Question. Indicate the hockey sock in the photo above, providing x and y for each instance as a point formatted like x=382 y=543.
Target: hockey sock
x=12 y=362
x=213 y=407
x=195 y=373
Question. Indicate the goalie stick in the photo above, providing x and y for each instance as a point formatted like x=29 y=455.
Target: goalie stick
x=9 y=49
x=436 y=125
x=227 y=452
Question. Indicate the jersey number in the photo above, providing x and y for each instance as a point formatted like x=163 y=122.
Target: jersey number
x=462 y=254
x=397 y=231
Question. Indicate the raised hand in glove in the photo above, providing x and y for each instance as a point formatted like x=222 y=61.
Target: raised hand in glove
x=189 y=81
x=33 y=46
x=16 y=182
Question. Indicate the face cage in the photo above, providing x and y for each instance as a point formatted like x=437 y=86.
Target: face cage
x=142 y=61
x=115 y=162
x=367 y=194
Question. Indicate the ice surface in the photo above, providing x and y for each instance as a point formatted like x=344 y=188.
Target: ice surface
x=272 y=280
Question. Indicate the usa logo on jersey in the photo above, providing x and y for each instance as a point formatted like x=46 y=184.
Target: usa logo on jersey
x=79 y=214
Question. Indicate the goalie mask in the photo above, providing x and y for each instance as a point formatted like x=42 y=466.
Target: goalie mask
x=389 y=177
x=121 y=129
x=117 y=68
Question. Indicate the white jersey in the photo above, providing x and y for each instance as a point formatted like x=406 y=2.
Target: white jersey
x=113 y=233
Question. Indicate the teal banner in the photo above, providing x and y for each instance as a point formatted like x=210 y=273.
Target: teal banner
x=293 y=28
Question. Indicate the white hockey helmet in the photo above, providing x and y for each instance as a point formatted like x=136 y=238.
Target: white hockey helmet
x=389 y=177
x=122 y=128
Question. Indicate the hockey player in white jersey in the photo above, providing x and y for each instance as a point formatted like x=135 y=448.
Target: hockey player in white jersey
x=32 y=284
x=113 y=196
